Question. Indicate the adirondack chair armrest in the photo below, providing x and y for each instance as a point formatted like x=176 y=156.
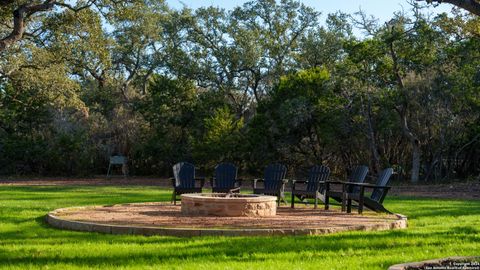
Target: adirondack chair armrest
x=366 y=185
x=299 y=181
x=363 y=186
x=335 y=182
x=172 y=180
x=328 y=184
x=295 y=181
x=285 y=181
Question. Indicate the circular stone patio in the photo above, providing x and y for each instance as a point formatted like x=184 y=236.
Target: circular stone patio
x=166 y=219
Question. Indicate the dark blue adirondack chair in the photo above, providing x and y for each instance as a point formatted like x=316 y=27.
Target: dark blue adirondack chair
x=375 y=200
x=357 y=175
x=316 y=179
x=184 y=180
x=273 y=183
x=225 y=178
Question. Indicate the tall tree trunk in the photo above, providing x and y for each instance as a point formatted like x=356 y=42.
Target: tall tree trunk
x=402 y=111
x=373 y=142
x=371 y=138
x=416 y=150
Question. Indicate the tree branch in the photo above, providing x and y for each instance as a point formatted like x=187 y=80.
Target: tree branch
x=24 y=11
x=75 y=9
x=472 y=6
x=6 y=2
x=19 y=16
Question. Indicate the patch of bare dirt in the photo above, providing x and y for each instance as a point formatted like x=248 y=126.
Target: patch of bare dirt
x=93 y=181
x=466 y=191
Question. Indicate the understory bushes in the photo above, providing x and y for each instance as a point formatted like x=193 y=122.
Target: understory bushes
x=305 y=120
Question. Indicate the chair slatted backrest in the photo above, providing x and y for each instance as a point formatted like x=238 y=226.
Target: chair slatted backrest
x=383 y=178
x=358 y=176
x=274 y=174
x=317 y=173
x=225 y=175
x=184 y=174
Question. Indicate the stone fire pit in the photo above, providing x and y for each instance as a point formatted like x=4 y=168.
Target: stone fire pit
x=228 y=205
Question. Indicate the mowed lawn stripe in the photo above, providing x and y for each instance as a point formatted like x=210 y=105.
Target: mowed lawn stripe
x=437 y=228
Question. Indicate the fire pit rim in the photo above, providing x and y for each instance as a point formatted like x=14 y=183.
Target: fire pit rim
x=243 y=197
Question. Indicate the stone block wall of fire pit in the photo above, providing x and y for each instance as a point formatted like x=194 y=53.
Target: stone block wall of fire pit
x=218 y=204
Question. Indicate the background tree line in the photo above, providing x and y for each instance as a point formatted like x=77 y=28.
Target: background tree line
x=264 y=82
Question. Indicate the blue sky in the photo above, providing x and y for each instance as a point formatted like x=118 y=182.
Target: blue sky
x=381 y=9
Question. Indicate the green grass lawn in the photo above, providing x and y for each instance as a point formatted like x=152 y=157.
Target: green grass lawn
x=437 y=228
